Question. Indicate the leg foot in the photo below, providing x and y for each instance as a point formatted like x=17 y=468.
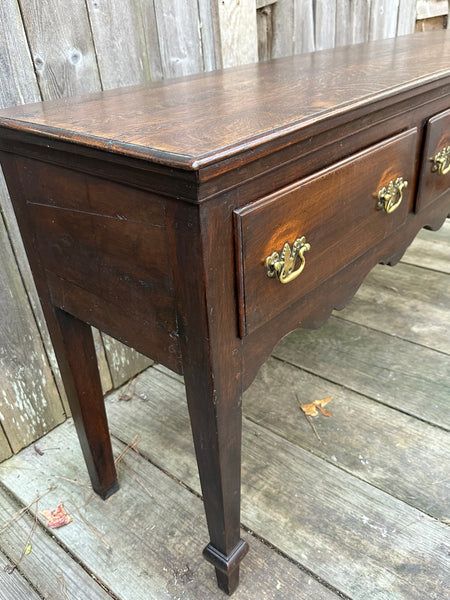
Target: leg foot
x=109 y=491
x=227 y=567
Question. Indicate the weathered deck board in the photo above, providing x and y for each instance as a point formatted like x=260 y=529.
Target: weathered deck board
x=396 y=453
x=155 y=541
x=14 y=585
x=51 y=569
x=409 y=300
x=431 y=249
x=375 y=364
x=360 y=539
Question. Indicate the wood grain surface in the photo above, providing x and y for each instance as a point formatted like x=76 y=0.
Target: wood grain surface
x=120 y=42
x=13 y=585
x=392 y=288
x=357 y=537
x=180 y=118
x=143 y=543
x=63 y=53
x=53 y=571
x=419 y=253
x=374 y=357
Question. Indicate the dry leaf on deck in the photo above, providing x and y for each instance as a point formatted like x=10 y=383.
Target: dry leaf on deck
x=56 y=518
x=311 y=409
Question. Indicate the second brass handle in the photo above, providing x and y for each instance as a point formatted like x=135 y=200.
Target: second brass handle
x=290 y=264
x=441 y=161
x=390 y=197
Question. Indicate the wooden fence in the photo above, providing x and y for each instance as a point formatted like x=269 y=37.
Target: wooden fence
x=55 y=48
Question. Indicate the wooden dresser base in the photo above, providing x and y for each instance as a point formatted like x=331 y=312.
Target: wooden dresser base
x=198 y=224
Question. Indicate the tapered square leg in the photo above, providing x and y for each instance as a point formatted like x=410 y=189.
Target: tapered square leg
x=216 y=422
x=75 y=351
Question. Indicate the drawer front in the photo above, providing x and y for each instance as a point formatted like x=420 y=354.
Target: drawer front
x=337 y=212
x=435 y=168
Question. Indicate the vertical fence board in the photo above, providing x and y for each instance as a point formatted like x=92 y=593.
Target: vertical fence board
x=406 y=17
x=120 y=44
x=29 y=400
x=293 y=27
x=179 y=37
x=352 y=21
x=283 y=28
x=325 y=24
x=25 y=272
x=238 y=32
x=61 y=45
x=343 y=23
x=151 y=39
x=304 y=26
x=264 y=22
x=124 y=362
x=208 y=32
x=103 y=368
x=5 y=448
x=383 y=19
x=17 y=79
x=18 y=85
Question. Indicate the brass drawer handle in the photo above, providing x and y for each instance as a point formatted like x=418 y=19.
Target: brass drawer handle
x=390 y=197
x=284 y=268
x=441 y=162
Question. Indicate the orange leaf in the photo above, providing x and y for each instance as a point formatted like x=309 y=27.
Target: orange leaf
x=311 y=408
x=324 y=411
x=56 y=518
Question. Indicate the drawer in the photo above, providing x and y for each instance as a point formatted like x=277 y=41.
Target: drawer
x=337 y=212
x=435 y=169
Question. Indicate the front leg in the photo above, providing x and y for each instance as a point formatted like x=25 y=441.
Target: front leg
x=214 y=402
x=212 y=366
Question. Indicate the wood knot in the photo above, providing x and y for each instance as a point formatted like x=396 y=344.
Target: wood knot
x=39 y=63
x=75 y=57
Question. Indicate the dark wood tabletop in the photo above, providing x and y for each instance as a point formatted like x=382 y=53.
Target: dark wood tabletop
x=198 y=120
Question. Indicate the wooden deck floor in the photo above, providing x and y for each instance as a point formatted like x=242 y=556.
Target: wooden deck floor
x=356 y=507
